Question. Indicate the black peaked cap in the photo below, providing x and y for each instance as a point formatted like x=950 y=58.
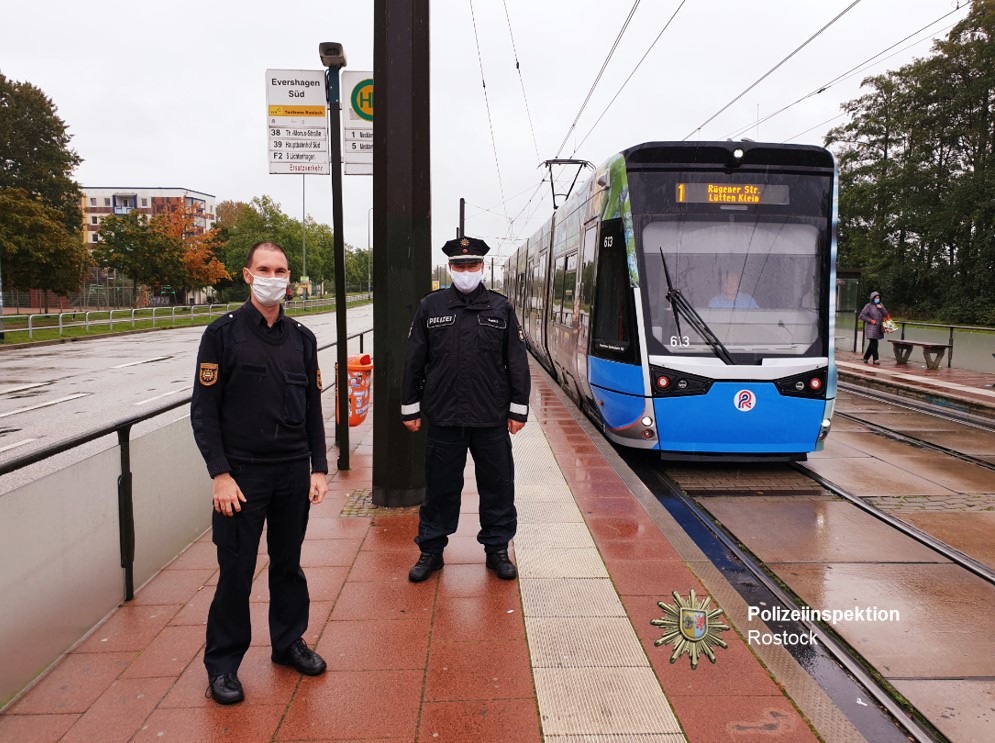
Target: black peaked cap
x=465 y=249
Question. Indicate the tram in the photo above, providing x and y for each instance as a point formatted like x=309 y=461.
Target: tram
x=684 y=297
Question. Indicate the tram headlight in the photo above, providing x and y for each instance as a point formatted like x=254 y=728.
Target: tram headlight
x=815 y=383
x=646 y=421
x=738 y=153
x=800 y=385
x=663 y=382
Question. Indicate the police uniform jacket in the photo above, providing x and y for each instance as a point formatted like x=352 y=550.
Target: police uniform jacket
x=257 y=395
x=466 y=363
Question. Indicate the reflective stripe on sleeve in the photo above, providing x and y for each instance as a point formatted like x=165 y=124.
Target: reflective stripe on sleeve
x=411 y=409
x=518 y=409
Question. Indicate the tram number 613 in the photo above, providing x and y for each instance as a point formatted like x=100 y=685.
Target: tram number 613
x=680 y=340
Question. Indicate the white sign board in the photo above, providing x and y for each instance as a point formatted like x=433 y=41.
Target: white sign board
x=357 y=125
x=297 y=122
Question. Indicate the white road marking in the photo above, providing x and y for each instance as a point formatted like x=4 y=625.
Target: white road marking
x=143 y=361
x=14 y=446
x=24 y=387
x=165 y=394
x=43 y=404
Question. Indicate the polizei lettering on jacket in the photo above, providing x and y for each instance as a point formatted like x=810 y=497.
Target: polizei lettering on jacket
x=440 y=320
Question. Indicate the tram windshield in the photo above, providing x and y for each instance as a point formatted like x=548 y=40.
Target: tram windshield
x=755 y=285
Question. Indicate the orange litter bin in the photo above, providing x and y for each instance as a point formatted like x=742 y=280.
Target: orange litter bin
x=359 y=372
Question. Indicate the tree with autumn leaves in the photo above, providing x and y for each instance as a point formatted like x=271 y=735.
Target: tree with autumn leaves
x=168 y=249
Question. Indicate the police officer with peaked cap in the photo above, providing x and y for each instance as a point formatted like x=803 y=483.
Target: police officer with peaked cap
x=256 y=417
x=467 y=371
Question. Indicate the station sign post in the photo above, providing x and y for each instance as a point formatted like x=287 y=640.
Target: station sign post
x=357 y=102
x=297 y=122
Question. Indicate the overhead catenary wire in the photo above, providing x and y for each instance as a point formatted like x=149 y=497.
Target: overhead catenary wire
x=769 y=72
x=855 y=70
x=521 y=80
x=487 y=105
x=597 y=79
x=634 y=69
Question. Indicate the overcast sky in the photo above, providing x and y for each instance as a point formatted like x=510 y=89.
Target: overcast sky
x=166 y=94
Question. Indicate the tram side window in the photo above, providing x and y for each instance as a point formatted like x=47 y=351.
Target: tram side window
x=614 y=335
x=569 y=287
x=559 y=270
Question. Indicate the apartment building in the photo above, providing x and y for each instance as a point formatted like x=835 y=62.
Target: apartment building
x=100 y=202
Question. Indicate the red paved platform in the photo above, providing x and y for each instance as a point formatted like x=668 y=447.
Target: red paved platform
x=971 y=391
x=444 y=660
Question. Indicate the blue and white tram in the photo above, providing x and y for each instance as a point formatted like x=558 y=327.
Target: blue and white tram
x=684 y=298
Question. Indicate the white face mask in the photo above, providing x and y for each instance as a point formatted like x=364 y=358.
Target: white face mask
x=269 y=290
x=467 y=281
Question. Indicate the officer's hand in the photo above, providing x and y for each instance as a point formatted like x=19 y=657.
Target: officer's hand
x=515 y=426
x=319 y=486
x=412 y=425
x=227 y=495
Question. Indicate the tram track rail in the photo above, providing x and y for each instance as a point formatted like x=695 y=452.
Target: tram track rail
x=907 y=719
x=955 y=556
x=961 y=419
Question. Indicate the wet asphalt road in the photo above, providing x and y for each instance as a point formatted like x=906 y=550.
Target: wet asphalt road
x=51 y=393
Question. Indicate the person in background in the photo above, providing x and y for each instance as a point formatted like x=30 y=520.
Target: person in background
x=466 y=369
x=730 y=297
x=874 y=315
x=256 y=417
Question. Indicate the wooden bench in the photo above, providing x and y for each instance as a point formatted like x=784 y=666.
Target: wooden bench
x=932 y=352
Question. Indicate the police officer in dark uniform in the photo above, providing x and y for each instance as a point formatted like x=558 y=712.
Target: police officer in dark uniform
x=467 y=371
x=256 y=416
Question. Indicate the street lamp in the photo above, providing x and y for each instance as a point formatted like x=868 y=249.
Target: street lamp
x=333 y=57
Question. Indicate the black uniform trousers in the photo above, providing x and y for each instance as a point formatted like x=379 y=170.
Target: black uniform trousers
x=445 y=460
x=279 y=495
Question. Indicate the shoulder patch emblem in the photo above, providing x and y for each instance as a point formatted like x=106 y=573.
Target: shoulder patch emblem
x=521 y=334
x=318 y=380
x=208 y=374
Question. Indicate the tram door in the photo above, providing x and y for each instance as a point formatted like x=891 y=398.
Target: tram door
x=585 y=297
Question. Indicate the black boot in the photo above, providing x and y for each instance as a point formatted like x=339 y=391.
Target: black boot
x=225 y=688
x=500 y=563
x=427 y=564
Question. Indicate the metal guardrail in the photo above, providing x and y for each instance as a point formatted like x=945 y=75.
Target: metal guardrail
x=87 y=319
x=126 y=519
x=913 y=323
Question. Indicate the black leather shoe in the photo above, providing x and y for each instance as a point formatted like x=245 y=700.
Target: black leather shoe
x=427 y=564
x=225 y=688
x=301 y=658
x=502 y=565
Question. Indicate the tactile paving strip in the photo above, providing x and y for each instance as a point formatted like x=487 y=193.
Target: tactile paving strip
x=593 y=680
x=611 y=700
x=570 y=597
x=583 y=642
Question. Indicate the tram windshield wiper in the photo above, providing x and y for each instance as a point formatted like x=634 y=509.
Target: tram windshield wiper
x=681 y=307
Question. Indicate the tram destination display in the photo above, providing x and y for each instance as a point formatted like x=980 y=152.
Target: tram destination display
x=732 y=193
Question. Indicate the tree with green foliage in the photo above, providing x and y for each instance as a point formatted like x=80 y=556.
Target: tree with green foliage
x=41 y=220
x=34 y=151
x=917 y=178
x=241 y=225
x=132 y=245
x=36 y=251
